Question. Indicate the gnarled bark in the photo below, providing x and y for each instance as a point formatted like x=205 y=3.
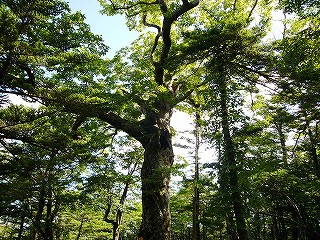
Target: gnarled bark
x=155 y=176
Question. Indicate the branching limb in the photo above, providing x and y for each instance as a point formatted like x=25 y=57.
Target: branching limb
x=252 y=9
x=79 y=120
x=156 y=40
x=24 y=122
x=133 y=129
x=188 y=93
x=5 y=134
x=91 y=110
x=137 y=99
x=166 y=31
x=5 y=67
x=163 y=6
x=107 y=212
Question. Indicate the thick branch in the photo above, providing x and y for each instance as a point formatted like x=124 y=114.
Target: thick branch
x=166 y=31
x=188 y=93
x=107 y=212
x=25 y=121
x=163 y=6
x=234 y=5
x=141 y=102
x=133 y=129
x=252 y=9
x=185 y=7
x=93 y=110
x=156 y=40
x=5 y=67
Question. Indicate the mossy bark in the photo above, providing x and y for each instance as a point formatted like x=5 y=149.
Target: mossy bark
x=231 y=164
x=155 y=176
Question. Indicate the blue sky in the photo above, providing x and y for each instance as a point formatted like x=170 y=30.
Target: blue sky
x=113 y=29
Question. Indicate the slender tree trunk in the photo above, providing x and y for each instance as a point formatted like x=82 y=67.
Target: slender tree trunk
x=283 y=143
x=258 y=227
x=48 y=231
x=49 y=206
x=23 y=216
x=282 y=225
x=225 y=192
x=314 y=155
x=311 y=228
x=80 y=229
x=295 y=227
x=231 y=164
x=230 y=225
x=117 y=222
x=116 y=230
x=196 y=211
x=274 y=229
x=37 y=221
x=155 y=176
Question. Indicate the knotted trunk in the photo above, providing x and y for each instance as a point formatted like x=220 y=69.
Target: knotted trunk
x=155 y=176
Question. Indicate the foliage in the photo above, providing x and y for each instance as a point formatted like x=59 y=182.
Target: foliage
x=66 y=173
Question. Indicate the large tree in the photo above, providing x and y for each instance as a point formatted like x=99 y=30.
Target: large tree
x=52 y=55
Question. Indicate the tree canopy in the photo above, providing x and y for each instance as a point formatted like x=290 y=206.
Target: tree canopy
x=90 y=153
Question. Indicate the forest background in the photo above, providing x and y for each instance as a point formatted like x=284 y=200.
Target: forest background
x=92 y=152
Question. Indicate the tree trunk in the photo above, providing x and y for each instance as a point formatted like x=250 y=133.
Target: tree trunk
x=80 y=229
x=117 y=222
x=282 y=139
x=37 y=221
x=22 y=221
x=49 y=214
x=195 y=219
x=155 y=177
x=230 y=162
x=295 y=227
x=282 y=225
x=314 y=155
x=274 y=229
x=116 y=225
x=230 y=226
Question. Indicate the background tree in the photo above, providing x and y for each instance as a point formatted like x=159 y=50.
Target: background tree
x=40 y=162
